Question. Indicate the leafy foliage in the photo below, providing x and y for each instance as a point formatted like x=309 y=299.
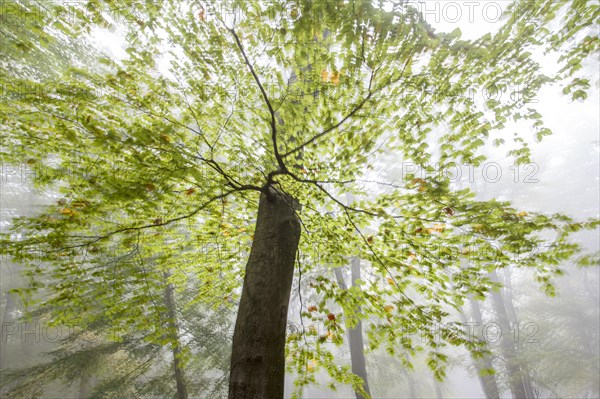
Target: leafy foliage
x=158 y=156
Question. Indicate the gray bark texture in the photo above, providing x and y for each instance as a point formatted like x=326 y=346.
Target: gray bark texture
x=258 y=352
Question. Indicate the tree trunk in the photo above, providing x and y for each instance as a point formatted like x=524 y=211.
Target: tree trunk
x=355 y=336
x=512 y=313
x=508 y=291
x=438 y=389
x=86 y=381
x=7 y=318
x=515 y=378
x=258 y=351
x=487 y=381
x=412 y=389
x=175 y=342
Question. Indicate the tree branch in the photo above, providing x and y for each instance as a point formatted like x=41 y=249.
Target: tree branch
x=167 y=222
x=355 y=110
x=329 y=129
x=266 y=98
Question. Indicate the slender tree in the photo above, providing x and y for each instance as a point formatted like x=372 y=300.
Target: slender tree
x=355 y=334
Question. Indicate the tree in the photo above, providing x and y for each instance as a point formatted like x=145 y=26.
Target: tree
x=172 y=146
x=355 y=335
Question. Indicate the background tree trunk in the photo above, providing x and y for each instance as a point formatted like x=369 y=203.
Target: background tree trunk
x=6 y=318
x=438 y=389
x=355 y=336
x=258 y=352
x=488 y=381
x=86 y=381
x=512 y=313
x=175 y=342
x=515 y=378
x=412 y=389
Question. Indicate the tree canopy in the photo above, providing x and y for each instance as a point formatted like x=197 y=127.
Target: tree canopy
x=159 y=156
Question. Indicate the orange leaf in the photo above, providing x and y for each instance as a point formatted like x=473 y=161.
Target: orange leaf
x=449 y=211
x=67 y=211
x=334 y=77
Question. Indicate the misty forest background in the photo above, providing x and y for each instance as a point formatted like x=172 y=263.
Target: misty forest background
x=151 y=314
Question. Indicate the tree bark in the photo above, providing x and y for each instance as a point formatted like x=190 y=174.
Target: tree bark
x=7 y=318
x=175 y=344
x=355 y=336
x=258 y=351
x=86 y=381
x=512 y=313
x=488 y=381
x=515 y=378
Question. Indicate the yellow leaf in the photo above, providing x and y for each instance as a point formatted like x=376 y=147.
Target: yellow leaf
x=334 y=77
x=67 y=211
x=522 y=214
x=80 y=204
x=388 y=308
x=436 y=228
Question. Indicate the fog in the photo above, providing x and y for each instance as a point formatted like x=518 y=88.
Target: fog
x=553 y=332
